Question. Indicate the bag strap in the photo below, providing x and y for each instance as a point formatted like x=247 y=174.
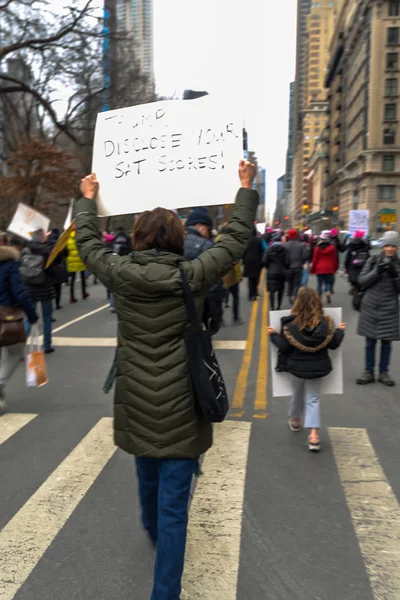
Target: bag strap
x=190 y=305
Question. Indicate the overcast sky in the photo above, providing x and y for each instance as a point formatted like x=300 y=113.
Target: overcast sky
x=241 y=51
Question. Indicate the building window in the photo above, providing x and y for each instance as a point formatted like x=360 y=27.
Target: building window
x=394 y=8
x=391 y=87
x=392 y=60
x=389 y=136
x=386 y=192
x=390 y=112
x=388 y=162
x=393 y=35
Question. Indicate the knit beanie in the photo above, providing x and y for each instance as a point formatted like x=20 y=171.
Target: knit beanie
x=358 y=235
x=390 y=238
x=292 y=234
x=199 y=215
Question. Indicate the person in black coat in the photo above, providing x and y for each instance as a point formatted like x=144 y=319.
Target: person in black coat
x=252 y=261
x=43 y=292
x=357 y=255
x=12 y=293
x=303 y=344
x=276 y=261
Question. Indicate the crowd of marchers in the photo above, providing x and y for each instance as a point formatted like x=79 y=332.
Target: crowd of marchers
x=168 y=284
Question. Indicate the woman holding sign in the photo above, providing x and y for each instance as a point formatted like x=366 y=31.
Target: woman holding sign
x=155 y=415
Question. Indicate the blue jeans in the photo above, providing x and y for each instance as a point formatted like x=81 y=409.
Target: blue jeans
x=370 y=348
x=164 y=489
x=305 y=399
x=47 y=313
x=325 y=282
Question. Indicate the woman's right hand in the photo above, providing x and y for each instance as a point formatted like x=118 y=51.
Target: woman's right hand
x=89 y=186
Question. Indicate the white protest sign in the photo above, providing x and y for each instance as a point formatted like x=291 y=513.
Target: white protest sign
x=68 y=219
x=26 y=221
x=281 y=382
x=173 y=154
x=359 y=221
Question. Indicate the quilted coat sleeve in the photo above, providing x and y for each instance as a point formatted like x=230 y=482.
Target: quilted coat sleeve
x=369 y=275
x=221 y=258
x=20 y=294
x=100 y=260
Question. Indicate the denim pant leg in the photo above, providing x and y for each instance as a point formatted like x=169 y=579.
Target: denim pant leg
x=112 y=300
x=386 y=350
x=370 y=347
x=320 y=286
x=312 y=417
x=173 y=499
x=10 y=357
x=47 y=311
x=329 y=281
x=297 y=403
x=147 y=472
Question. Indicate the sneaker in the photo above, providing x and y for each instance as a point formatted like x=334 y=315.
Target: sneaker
x=329 y=297
x=238 y=322
x=85 y=296
x=49 y=350
x=113 y=310
x=314 y=445
x=294 y=425
x=386 y=379
x=73 y=300
x=366 y=378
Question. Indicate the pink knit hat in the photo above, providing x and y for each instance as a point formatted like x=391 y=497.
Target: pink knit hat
x=334 y=232
x=358 y=234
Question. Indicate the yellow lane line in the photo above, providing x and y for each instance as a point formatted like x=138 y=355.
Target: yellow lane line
x=241 y=382
x=260 y=402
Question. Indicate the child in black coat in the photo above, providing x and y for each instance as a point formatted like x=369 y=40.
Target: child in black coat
x=306 y=337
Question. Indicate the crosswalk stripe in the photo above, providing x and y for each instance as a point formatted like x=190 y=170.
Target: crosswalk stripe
x=215 y=523
x=30 y=532
x=111 y=342
x=10 y=423
x=85 y=316
x=374 y=509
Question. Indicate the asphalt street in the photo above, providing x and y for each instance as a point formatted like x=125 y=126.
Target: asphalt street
x=268 y=519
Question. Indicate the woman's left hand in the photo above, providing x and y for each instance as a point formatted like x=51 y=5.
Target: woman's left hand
x=89 y=186
x=271 y=330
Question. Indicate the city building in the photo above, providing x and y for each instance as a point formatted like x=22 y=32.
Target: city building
x=311 y=109
x=362 y=137
x=136 y=17
x=279 y=215
x=289 y=159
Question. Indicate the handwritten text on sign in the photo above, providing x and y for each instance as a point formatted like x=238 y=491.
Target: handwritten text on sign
x=26 y=221
x=172 y=154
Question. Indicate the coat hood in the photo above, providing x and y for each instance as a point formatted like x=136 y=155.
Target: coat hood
x=8 y=253
x=358 y=244
x=325 y=246
x=310 y=340
x=277 y=248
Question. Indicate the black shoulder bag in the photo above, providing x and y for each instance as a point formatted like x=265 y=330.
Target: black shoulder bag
x=207 y=381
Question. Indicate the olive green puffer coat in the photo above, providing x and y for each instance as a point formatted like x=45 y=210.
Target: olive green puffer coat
x=154 y=411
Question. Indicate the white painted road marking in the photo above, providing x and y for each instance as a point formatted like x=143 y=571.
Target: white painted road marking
x=11 y=423
x=215 y=523
x=25 y=538
x=97 y=342
x=374 y=509
x=89 y=314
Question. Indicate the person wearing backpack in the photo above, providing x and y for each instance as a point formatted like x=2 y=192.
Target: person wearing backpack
x=379 y=315
x=356 y=257
x=276 y=261
x=39 y=281
x=306 y=337
x=122 y=244
x=12 y=294
x=198 y=240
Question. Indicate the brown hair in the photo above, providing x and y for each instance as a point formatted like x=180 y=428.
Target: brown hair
x=307 y=309
x=159 y=229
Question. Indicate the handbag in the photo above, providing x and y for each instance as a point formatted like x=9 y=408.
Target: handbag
x=208 y=384
x=36 y=370
x=12 y=329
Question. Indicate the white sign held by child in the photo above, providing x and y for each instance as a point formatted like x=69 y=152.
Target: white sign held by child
x=172 y=154
x=26 y=221
x=281 y=382
x=359 y=221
